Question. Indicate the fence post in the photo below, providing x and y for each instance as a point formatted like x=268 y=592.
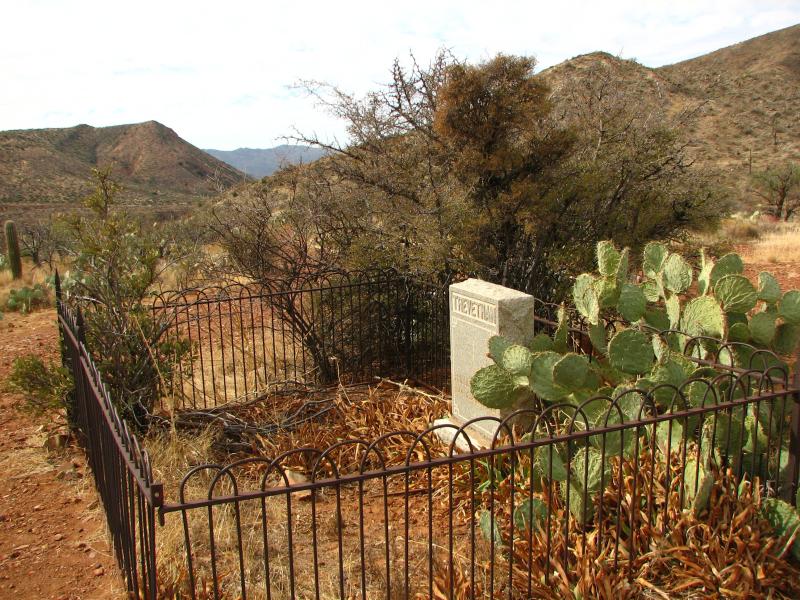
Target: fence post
x=407 y=320
x=61 y=342
x=794 y=437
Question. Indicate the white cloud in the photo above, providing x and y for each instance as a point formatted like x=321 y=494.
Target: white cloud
x=218 y=73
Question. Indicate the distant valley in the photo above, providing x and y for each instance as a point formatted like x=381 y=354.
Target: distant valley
x=261 y=162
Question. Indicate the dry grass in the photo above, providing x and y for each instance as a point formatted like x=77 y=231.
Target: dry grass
x=356 y=412
x=779 y=245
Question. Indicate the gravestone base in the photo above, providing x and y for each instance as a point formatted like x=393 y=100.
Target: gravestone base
x=478 y=311
x=478 y=438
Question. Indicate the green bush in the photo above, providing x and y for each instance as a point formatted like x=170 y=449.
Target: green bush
x=44 y=386
x=26 y=299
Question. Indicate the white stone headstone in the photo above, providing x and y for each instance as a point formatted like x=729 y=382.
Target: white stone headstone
x=479 y=310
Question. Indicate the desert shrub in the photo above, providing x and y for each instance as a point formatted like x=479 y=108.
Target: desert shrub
x=483 y=169
x=44 y=386
x=27 y=299
x=116 y=263
x=779 y=190
x=740 y=230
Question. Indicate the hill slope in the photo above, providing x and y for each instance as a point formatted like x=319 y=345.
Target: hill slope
x=746 y=98
x=260 y=162
x=150 y=160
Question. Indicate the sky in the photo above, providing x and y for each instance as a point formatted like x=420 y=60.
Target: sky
x=223 y=74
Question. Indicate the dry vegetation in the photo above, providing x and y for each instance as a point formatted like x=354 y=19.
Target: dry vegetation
x=727 y=551
x=357 y=412
x=777 y=244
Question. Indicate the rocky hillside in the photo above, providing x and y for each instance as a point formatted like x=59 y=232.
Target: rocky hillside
x=260 y=162
x=156 y=166
x=745 y=101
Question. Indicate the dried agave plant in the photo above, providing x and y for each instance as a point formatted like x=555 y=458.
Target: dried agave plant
x=643 y=541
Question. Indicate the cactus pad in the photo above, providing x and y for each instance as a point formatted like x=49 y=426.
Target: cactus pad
x=542 y=382
x=703 y=316
x=655 y=254
x=789 y=307
x=704 y=277
x=597 y=335
x=497 y=346
x=531 y=512
x=762 y=328
x=541 y=343
x=492 y=386
x=786 y=338
x=730 y=264
x=607 y=258
x=630 y=351
x=677 y=274
x=517 y=360
x=769 y=290
x=673 y=306
x=585 y=297
x=632 y=302
x=784 y=519
x=607 y=291
x=570 y=372
x=736 y=293
x=739 y=332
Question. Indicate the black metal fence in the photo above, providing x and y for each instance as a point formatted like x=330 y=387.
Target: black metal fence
x=526 y=516
x=247 y=340
x=120 y=465
x=552 y=504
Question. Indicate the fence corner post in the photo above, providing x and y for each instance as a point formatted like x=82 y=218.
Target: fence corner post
x=794 y=436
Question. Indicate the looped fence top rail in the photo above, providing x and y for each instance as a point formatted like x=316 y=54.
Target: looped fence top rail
x=246 y=340
x=437 y=519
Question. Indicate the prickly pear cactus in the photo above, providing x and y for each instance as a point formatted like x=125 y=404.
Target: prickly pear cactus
x=785 y=521
x=639 y=331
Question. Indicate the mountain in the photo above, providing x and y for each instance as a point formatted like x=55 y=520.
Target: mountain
x=153 y=164
x=745 y=99
x=260 y=162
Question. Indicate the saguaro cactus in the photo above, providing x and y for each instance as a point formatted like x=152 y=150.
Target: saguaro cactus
x=12 y=250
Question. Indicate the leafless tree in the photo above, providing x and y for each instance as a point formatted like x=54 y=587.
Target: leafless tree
x=779 y=190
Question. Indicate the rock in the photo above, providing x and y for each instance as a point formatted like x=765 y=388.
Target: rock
x=296 y=478
x=58 y=537
x=56 y=441
x=99 y=572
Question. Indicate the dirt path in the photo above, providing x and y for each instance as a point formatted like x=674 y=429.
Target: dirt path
x=53 y=541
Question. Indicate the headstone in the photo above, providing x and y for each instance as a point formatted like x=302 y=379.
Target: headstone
x=479 y=310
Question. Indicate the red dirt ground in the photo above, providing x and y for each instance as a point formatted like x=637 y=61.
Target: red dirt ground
x=53 y=538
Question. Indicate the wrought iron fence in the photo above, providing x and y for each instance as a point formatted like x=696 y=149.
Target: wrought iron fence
x=550 y=504
x=529 y=514
x=120 y=465
x=246 y=340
